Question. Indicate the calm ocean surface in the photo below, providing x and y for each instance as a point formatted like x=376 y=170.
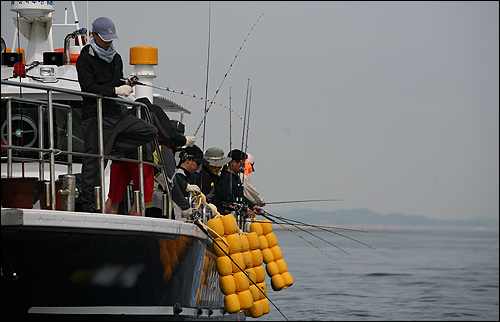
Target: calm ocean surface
x=444 y=275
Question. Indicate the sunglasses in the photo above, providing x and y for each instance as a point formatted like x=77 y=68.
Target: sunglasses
x=198 y=163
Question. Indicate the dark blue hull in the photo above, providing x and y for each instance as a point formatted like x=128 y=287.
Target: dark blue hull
x=66 y=273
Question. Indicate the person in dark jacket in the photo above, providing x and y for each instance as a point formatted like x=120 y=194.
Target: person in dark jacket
x=208 y=178
x=100 y=71
x=230 y=183
x=123 y=172
x=191 y=158
x=169 y=144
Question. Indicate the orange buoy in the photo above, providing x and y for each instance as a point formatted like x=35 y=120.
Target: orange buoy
x=263 y=242
x=230 y=224
x=240 y=260
x=272 y=269
x=248 y=259
x=246 y=299
x=217 y=225
x=267 y=255
x=224 y=266
x=227 y=284
x=282 y=265
x=260 y=273
x=271 y=239
x=257 y=228
x=255 y=292
x=234 y=241
x=263 y=287
x=256 y=310
x=245 y=246
x=257 y=257
x=266 y=226
x=253 y=240
x=277 y=282
x=217 y=249
x=232 y=303
x=287 y=277
x=251 y=274
x=241 y=281
x=266 y=308
x=277 y=252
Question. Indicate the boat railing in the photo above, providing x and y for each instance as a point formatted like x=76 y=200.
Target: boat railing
x=49 y=106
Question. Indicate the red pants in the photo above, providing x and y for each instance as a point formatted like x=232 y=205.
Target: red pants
x=122 y=173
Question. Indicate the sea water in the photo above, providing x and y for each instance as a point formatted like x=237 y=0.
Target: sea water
x=440 y=275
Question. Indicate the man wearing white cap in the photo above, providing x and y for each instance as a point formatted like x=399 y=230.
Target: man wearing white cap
x=100 y=71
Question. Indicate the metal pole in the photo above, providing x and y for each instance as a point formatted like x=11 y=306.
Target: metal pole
x=68 y=192
x=98 y=204
x=137 y=198
x=141 y=207
x=70 y=139
x=52 y=152
x=47 y=194
x=100 y=196
x=9 y=138
x=40 y=142
x=165 y=207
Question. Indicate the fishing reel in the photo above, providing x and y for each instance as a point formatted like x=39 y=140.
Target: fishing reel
x=195 y=215
x=132 y=81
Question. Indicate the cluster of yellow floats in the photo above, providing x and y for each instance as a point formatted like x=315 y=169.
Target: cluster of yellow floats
x=243 y=283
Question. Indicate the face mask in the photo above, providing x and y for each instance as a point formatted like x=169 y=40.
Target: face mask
x=215 y=170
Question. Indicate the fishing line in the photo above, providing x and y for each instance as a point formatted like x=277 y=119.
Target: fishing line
x=14 y=275
x=198 y=223
x=263 y=214
x=327 y=230
x=230 y=66
x=326 y=241
x=168 y=89
x=294 y=201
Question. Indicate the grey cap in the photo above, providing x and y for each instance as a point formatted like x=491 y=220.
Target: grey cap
x=105 y=28
x=216 y=158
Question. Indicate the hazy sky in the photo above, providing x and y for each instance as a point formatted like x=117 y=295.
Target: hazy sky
x=390 y=106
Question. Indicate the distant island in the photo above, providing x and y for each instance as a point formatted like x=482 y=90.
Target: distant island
x=364 y=218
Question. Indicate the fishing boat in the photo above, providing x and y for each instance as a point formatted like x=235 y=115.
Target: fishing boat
x=59 y=263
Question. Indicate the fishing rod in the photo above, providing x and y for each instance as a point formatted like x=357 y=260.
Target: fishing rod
x=326 y=241
x=196 y=218
x=294 y=201
x=230 y=143
x=324 y=229
x=248 y=121
x=135 y=81
x=263 y=213
x=230 y=66
x=206 y=83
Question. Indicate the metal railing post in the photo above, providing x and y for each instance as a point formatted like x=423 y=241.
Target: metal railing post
x=9 y=138
x=68 y=192
x=137 y=201
x=52 y=152
x=101 y=155
x=40 y=142
x=70 y=139
x=142 y=205
x=98 y=204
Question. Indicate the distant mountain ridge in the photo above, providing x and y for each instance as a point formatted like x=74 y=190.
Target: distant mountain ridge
x=366 y=217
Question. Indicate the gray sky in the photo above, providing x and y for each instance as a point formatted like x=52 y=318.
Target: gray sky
x=390 y=106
